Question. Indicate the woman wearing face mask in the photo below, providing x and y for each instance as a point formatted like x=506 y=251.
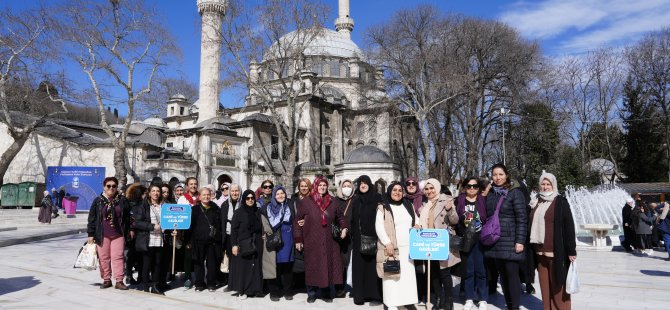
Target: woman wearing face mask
x=246 y=228
x=277 y=217
x=552 y=235
x=344 y=197
x=365 y=282
x=439 y=213
x=393 y=221
x=508 y=251
x=323 y=267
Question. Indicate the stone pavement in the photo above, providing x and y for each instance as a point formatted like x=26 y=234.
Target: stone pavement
x=39 y=275
x=21 y=226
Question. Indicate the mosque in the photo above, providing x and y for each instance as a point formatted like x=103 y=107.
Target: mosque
x=342 y=134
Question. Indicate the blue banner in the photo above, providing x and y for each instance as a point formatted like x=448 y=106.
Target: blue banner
x=174 y=216
x=429 y=244
x=85 y=183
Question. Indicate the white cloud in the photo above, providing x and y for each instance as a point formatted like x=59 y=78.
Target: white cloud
x=580 y=25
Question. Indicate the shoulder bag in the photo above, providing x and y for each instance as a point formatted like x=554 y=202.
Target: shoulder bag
x=335 y=228
x=274 y=241
x=248 y=246
x=490 y=233
x=368 y=243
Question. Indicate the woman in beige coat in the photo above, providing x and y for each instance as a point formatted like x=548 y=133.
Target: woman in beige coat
x=438 y=212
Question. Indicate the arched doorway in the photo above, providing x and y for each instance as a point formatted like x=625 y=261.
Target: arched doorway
x=381 y=186
x=224 y=178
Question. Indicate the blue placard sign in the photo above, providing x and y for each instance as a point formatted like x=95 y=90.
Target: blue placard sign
x=174 y=216
x=429 y=244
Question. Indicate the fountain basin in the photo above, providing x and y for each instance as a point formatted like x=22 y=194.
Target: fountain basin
x=599 y=234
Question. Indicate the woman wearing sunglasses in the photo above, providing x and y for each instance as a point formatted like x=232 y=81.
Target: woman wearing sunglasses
x=246 y=233
x=471 y=209
x=108 y=226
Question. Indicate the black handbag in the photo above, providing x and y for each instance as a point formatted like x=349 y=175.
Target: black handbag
x=368 y=245
x=470 y=237
x=248 y=246
x=455 y=242
x=392 y=266
x=274 y=241
x=335 y=228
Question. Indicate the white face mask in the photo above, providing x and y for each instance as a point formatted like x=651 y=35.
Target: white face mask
x=546 y=194
x=346 y=191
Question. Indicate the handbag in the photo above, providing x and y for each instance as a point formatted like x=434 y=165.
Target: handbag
x=368 y=245
x=335 y=228
x=392 y=266
x=455 y=242
x=274 y=241
x=470 y=237
x=490 y=233
x=248 y=246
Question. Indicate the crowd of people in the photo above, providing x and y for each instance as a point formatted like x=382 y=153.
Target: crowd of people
x=646 y=226
x=255 y=242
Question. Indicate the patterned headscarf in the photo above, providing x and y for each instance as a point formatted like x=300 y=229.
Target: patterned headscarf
x=417 y=196
x=275 y=209
x=321 y=201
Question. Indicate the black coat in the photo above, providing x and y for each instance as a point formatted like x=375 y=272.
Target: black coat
x=94 y=227
x=242 y=226
x=564 y=239
x=199 y=230
x=141 y=225
x=626 y=216
x=513 y=224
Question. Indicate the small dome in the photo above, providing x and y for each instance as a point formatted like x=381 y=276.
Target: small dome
x=155 y=121
x=367 y=154
x=328 y=43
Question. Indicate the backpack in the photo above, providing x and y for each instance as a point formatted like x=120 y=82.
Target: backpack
x=490 y=232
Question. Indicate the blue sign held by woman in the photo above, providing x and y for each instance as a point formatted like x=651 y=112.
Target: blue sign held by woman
x=429 y=244
x=175 y=216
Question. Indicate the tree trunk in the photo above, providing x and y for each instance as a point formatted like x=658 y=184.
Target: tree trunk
x=425 y=145
x=10 y=153
x=120 y=164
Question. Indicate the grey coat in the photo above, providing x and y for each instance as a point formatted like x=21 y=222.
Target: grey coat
x=269 y=261
x=644 y=224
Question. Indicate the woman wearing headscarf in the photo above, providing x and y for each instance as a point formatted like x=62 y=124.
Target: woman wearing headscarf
x=205 y=240
x=414 y=196
x=552 y=235
x=508 y=251
x=393 y=221
x=277 y=217
x=438 y=212
x=323 y=267
x=365 y=282
x=45 y=209
x=345 y=196
x=227 y=210
x=246 y=233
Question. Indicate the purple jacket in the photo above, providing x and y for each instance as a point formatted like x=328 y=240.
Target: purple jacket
x=481 y=207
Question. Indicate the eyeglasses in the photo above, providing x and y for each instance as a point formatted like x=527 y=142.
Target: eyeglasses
x=266 y=186
x=472 y=186
x=249 y=198
x=110 y=186
x=411 y=183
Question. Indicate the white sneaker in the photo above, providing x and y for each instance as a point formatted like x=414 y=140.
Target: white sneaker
x=242 y=297
x=469 y=305
x=650 y=251
x=483 y=305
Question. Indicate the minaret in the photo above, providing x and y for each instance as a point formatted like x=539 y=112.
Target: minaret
x=344 y=24
x=212 y=12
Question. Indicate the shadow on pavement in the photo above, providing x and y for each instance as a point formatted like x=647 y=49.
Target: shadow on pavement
x=11 y=285
x=655 y=273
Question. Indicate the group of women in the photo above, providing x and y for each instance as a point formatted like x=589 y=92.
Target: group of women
x=265 y=241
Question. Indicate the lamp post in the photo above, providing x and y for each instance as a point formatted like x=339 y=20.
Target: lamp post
x=502 y=120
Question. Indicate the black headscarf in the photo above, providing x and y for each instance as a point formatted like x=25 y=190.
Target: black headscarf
x=251 y=211
x=365 y=205
x=371 y=197
x=388 y=200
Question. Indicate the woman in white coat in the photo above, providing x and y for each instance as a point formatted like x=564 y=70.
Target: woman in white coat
x=394 y=218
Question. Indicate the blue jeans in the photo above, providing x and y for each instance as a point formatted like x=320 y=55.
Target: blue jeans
x=666 y=241
x=476 y=287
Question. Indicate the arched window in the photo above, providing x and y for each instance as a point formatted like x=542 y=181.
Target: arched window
x=360 y=130
x=359 y=144
x=381 y=186
x=373 y=142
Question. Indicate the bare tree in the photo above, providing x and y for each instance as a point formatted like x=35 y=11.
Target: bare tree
x=119 y=46
x=154 y=103
x=268 y=60
x=24 y=46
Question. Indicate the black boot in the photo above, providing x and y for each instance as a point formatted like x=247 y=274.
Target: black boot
x=155 y=290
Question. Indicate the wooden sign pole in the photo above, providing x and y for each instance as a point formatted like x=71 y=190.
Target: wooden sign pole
x=428 y=304
x=174 y=246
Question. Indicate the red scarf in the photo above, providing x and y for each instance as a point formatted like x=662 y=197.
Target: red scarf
x=191 y=200
x=321 y=201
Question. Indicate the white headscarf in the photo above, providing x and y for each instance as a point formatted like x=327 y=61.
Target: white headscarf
x=542 y=202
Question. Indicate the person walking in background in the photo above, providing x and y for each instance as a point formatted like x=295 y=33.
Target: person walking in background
x=246 y=275
x=205 y=240
x=345 y=196
x=323 y=267
x=628 y=230
x=394 y=218
x=438 y=212
x=664 y=227
x=46 y=207
x=149 y=240
x=552 y=235
x=508 y=251
x=108 y=226
x=471 y=209
x=365 y=281
x=277 y=217
x=643 y=220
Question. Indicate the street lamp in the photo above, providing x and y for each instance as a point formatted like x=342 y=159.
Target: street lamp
x=502 y=120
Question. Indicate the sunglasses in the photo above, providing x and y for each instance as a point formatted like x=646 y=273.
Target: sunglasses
x=225 y=188
x=110 y=186
x=249 y=198
x=472 y=186
x=267 y=186
x=411 y=183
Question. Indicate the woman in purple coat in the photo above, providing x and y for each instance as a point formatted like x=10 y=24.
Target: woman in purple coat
x=323 y=266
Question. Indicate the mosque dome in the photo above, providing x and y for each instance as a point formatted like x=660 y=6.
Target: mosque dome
x=367 y=154
x=155 y=121
x=328 y=43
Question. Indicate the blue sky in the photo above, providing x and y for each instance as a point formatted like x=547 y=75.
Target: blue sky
x=561 y=26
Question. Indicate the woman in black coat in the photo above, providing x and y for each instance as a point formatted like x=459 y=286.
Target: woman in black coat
x=365 y=282
x=149 y=240
x=552 y=235
x=246 y=232
x=508 y=251
x=205 y=240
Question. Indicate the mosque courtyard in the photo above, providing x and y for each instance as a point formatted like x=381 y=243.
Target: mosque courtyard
x=39 y=275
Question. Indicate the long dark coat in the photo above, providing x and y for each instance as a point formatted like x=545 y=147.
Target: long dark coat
x=366 y=283
x=323 y=266
x=564 y=239
x=513 y=224
x=246 y=273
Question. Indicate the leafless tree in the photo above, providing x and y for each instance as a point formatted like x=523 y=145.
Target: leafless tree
x=262 y=56
x=24 y=46
x=120 y=46
x=154 y=103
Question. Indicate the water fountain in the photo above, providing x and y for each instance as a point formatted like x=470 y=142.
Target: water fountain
x=597 y=212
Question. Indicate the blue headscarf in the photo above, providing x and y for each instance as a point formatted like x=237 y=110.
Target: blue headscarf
x=278 y=212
